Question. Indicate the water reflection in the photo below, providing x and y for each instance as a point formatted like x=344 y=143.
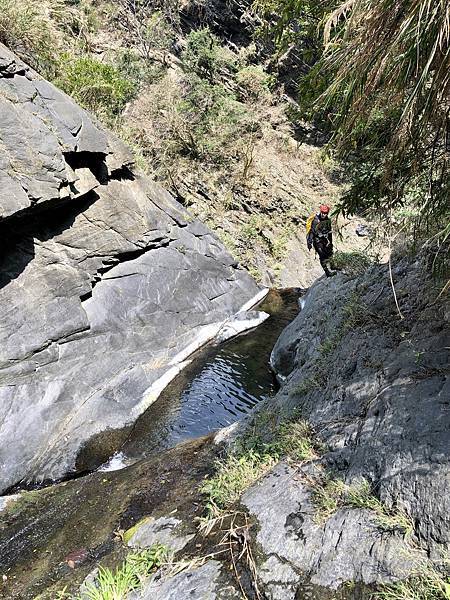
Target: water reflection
x=220 y=386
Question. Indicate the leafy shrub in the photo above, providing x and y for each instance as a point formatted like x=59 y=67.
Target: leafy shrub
x=205 y=57
x=254 y=83
x=96 y=86
x=190 y=118
x=208 y=121
x=131 y=66
x=158 y=32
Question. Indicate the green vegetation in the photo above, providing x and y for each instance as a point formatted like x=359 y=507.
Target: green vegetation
x=331 y=494
x=353 y=263
x=254 y=84
x=30 y=28
x=96 y=86
x=375 y=76
x=427 y=583
x=308 y=385
x=206 y=57
x=113 y=585
x=197 y=116
x=211 y=117
x=234 y=475
x=391 y=70
x=254 y=453
x=54 y=39
x=117 y=584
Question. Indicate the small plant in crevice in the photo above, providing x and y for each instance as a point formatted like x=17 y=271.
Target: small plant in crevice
x=353 y=263
x=254 y=453
x=307 y=385
x=126 y=578
x=113 y=585
x=353 y=314
x=265 y=442
x=331 y=494
x=428 y=582
x=232 y=476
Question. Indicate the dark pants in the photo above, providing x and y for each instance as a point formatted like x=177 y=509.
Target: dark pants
x=325 y=252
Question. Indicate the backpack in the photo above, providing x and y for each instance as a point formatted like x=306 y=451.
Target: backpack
x=309 y=221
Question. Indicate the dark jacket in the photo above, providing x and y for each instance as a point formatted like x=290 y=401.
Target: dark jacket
x=321 y=237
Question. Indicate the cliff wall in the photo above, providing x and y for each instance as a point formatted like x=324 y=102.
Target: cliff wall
x=107 y=284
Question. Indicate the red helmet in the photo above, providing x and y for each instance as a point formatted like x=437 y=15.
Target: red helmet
x=324 y=208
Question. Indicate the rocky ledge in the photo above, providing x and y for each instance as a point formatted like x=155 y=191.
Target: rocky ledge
x=374 y=385
x=106 y=283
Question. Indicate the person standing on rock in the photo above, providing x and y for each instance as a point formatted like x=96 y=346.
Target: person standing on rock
x=319 y=235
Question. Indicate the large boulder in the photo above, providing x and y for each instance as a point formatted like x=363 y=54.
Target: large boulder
x=106 y=283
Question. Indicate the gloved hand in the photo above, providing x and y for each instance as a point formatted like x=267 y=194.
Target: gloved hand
x=309 y=245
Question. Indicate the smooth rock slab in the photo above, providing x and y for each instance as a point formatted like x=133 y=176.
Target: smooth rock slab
x=106 y=283
x=348 y=547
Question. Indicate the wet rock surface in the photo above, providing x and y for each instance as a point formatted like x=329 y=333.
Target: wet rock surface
x=43 y=528
x=106 y=282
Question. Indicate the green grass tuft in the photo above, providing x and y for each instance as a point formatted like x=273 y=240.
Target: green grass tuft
x=426 y=584
x=332 y=494
x=116 y=585
x=253 y=455
x=233 y=475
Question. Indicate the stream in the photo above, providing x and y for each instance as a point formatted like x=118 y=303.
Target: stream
x=223 y=383
x=41 y=531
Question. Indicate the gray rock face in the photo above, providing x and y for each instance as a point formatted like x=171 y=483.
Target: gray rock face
x=106 y=283
x=376 y=389
x=165 y=530
x=348 y=547
x=197 y=584
x=41 y=129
